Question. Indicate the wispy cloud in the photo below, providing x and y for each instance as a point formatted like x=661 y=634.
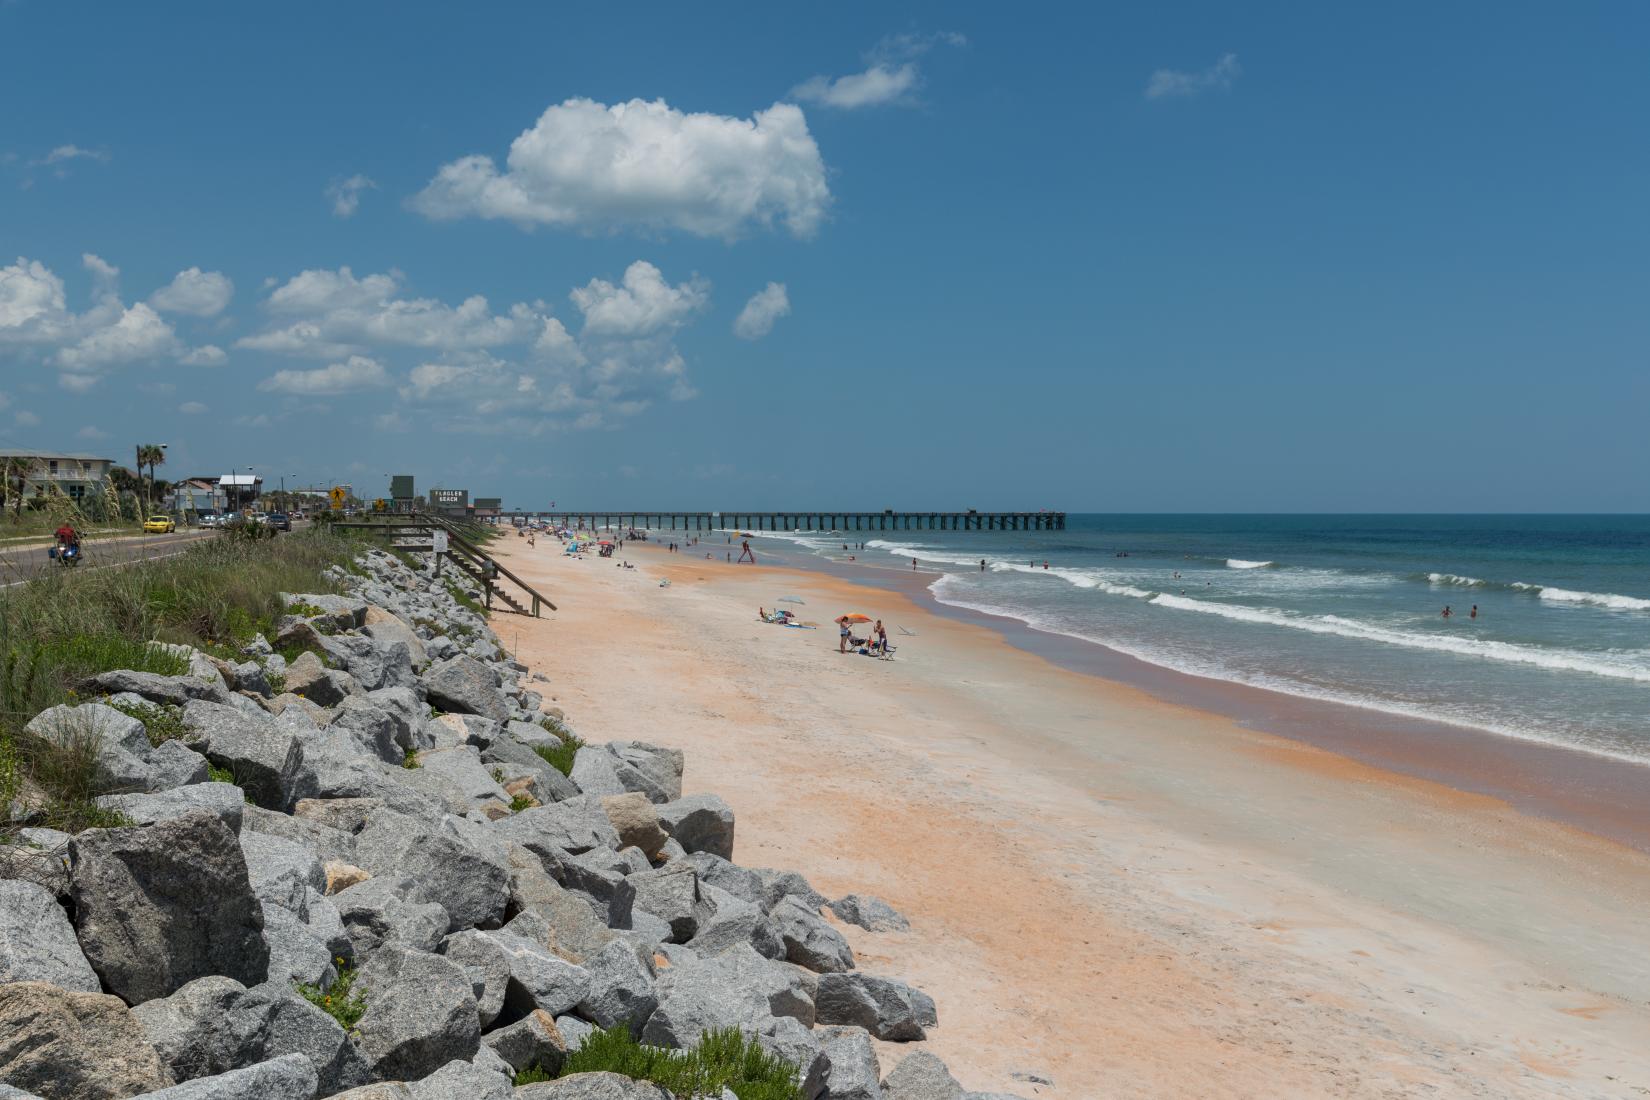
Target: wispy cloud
x=346 y=194
x=764 y=308
x=1174 y=84
x=73 y=152
x=891 y=76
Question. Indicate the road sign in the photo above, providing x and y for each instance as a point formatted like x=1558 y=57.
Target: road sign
x=337 y=494
x=438 y=542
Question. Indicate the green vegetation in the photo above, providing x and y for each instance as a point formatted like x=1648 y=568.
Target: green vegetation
x=63 y=627
x=522 y=802
x=559 y=756
x=532 y=1075
x=220 y=775
x=340 y=1001
x=464 y=599
x=162 y=722
x=723 y=1059
x=410 y=760
x=305 y=610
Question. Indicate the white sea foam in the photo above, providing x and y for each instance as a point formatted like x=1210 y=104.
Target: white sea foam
x=1453 y=578
x=1239 y=563
x=949 y=590
x=1598 y=664
x=1596 y=599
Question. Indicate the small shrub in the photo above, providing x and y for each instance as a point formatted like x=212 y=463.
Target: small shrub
x=161 y=721
x=304 y=610
x=410 y=760
x=498 y=776
x=277 y=681
x=532 y=1075
x=522 y=802
x=340 y=1002
x=220 y=775
x=724 y=1059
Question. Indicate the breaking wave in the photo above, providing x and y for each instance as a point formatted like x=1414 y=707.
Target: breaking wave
x=1239 y=563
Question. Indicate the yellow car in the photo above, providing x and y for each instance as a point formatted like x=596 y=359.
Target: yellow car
x=159 y=525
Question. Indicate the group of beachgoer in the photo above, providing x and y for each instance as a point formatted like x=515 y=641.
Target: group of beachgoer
x=875 y=643
x=1450 y=614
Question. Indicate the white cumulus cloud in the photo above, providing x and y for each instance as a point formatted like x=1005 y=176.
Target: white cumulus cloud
x=642 y=304
x=765 y=307
x=644 y=165
x=196 y=292
x=207 y=355
x=334 y=314
x=1173 y=84
x=358 y=372
x=192 y=408
x=346 y=194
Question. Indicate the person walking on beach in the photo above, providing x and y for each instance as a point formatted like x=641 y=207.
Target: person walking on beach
x=913 y=565
x=745 y=552
x=842 y=627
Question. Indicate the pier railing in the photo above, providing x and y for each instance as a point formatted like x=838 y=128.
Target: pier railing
x=462 y=554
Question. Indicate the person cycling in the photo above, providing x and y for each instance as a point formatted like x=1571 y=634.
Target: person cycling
x=68 y=536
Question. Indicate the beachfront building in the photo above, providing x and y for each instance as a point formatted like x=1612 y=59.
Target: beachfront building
x=195 y=495
x=240 y=490
x=486 y=507
x=402 y=494
x=33 y=474
x=450 y=502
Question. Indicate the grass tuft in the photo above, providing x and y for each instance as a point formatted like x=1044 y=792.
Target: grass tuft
x=161 y=721
x=522 y=802
x=410 y=760
x=341 y=1001
x=724 y=1059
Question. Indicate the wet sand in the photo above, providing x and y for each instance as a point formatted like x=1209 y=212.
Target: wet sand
x=1126 y=896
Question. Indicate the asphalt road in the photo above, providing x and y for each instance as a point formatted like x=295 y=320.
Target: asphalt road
x=25 y=563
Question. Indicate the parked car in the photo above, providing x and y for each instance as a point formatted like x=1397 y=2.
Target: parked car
x=159 y=525
x=279 y=520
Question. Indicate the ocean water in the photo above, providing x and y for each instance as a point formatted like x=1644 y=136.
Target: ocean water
x=1343 y=608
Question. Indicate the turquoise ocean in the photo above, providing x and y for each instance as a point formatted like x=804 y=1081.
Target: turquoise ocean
x=1339 y=608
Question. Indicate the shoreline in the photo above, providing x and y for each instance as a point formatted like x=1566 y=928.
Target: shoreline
x=1129 y=896
x=1599 y=794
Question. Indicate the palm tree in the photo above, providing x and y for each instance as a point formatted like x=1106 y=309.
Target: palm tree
x=151 y=455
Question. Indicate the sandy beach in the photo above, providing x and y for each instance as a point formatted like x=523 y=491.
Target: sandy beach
x=1115 y=894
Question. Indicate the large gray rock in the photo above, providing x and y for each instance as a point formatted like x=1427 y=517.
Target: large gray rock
x=533 y=1040
x=378 y=731
x=810 y=941
x=787 y=1038
x=37 y=943
x=465 y=685
x=327 y=844
x=175 y=764
x=699 y=823
x=592 y=1086
x=438 y=868
x=64 y=1045
x=650 y=769
x=621 y=987
x=214 y=1025
x=670 y=893
x=779 y=885
x=114 y=739
x=289 y=1077
x=376 y=912
x=853 y=1073
x=882 y=1006
x=160 y=905
x=457 y=779
x=336 y=612
x=296 y=953
x=420 y=1013
x=176 y=690
x=508 y=750
x=570 y=827
x=280 y=870
x=921 y=1076
x=723 y=921
x=736 y=989
x=384 y=626
x=458 y=1079
x=538 y=977
x=265 y=758
x=569 y=923
x=596 y=772
x=485 y=964
x=310 y=679
x=373 y=664
x=225 y=800
x=870 y=913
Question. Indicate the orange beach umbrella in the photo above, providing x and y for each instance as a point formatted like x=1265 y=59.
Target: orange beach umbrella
x=857 y=617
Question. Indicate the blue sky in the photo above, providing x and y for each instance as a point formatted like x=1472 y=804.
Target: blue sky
x=912 y=256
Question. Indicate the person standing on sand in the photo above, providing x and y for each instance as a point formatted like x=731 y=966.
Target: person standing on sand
x=745 y=552
x=881 y=636
x=842 y=632
x=913 y=565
